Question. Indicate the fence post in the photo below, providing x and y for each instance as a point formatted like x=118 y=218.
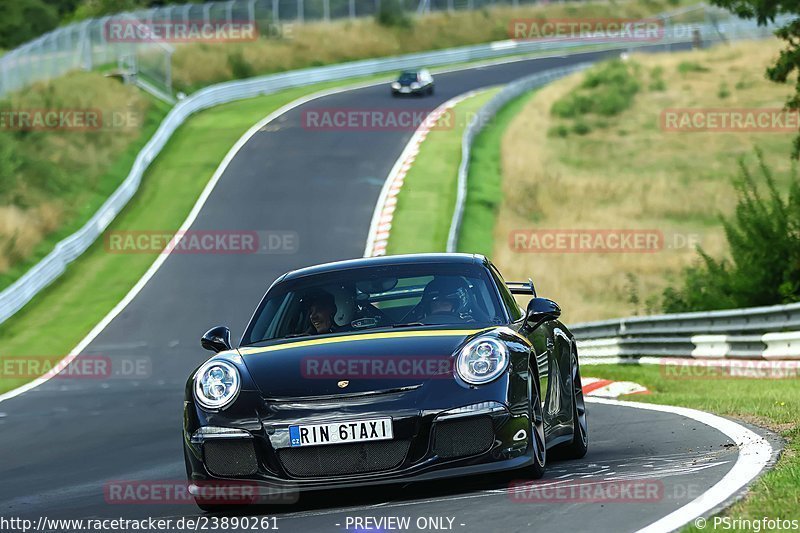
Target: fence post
x=275 y=12
x=300 y=11
x=352 y=7
x=326 y=10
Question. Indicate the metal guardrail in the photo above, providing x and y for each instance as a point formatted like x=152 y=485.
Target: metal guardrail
x=708 y=32
x=764 y=332
x=14 y=297
x=753 y=333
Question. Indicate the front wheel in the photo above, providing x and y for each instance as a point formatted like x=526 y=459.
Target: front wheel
x=580 y=425
x=538 y=442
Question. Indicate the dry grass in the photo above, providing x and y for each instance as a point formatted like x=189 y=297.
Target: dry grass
x=632 y=175
x=196 y=65
x=52 y=180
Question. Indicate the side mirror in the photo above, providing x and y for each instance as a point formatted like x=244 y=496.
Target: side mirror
x=217 y=339
x=541 y=310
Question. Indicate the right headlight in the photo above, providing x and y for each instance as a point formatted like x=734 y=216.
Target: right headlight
x=216 y=384
x=395 y=85
x=482 y=360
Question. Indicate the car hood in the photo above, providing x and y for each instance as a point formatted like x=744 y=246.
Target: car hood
x=369 y=362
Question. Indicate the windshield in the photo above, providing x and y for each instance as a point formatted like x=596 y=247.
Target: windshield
x=407 y=77
x=371 y=298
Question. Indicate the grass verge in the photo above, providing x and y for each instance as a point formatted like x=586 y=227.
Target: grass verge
x=94 y=283
x=614 y=168
x=319 y=43
x=484 y=183
x=425 y=204
x=770 y=403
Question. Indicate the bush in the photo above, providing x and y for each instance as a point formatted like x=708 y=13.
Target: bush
x=240 y=67
x=391 y=13
x=764 y=241
x=690 y=66
x=23 y=20
x=581 y=128
x=607 y=91
x=558 y=131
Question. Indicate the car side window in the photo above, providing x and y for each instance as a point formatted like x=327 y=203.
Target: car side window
x=508 y=299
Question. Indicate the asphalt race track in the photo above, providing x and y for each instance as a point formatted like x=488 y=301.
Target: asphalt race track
x=61 y=443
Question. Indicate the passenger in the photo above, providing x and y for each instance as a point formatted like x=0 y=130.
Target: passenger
x=320 y=307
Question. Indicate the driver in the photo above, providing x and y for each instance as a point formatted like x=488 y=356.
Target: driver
x=320 y=307
x=446 y=296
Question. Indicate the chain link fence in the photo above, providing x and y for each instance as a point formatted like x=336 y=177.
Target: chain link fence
x=88 y=45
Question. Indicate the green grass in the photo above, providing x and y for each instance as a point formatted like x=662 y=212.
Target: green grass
x=91 y=202
x=93 y=284
x=426 y=202
x=484 y=183
x=772 y=403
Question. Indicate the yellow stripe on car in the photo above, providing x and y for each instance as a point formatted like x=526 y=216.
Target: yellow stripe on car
x=363 y=337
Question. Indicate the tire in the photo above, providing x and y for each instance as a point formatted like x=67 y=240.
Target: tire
x=537 y=469
x=580 y=426
x=430 y=91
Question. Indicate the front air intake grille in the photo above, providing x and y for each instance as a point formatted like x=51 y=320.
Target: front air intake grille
x=343 y=459
x=235 y=457
x=464 y=437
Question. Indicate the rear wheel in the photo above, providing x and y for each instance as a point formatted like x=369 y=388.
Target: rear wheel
x=580 y=425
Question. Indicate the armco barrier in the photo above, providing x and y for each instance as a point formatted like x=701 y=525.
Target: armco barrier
x=754 y=333
x=53 y=265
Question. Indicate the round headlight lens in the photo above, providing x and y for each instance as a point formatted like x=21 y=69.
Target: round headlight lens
x=395 y=85
x=482 y=360
x=216 y=384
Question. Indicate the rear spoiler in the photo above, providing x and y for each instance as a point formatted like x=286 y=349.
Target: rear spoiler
x=522 y=287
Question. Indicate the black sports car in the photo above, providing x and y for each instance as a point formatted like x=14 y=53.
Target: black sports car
x=384 y=370
x=417 y=82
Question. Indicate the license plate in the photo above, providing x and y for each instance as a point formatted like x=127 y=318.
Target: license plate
x=405 y=90
x=341 y=432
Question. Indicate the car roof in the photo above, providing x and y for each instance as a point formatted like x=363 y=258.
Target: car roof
x=387 y=260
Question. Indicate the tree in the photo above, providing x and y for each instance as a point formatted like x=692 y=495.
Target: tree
x=764 y=240
x=765 y=11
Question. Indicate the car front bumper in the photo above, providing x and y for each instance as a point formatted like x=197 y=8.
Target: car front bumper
x=428 y=444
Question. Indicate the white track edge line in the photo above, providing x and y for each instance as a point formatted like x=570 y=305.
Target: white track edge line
x=151 y=271
x=414 y=144
x=755 y=453
x=117 y=309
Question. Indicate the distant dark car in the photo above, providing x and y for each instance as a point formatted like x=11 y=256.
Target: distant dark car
x=385 y=370
x=413 y=82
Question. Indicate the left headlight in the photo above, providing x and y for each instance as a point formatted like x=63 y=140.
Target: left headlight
x=216 y=384
x=482 y=360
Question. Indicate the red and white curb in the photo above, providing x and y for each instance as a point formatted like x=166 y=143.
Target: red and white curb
x=381 y=225
x=605 y=388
